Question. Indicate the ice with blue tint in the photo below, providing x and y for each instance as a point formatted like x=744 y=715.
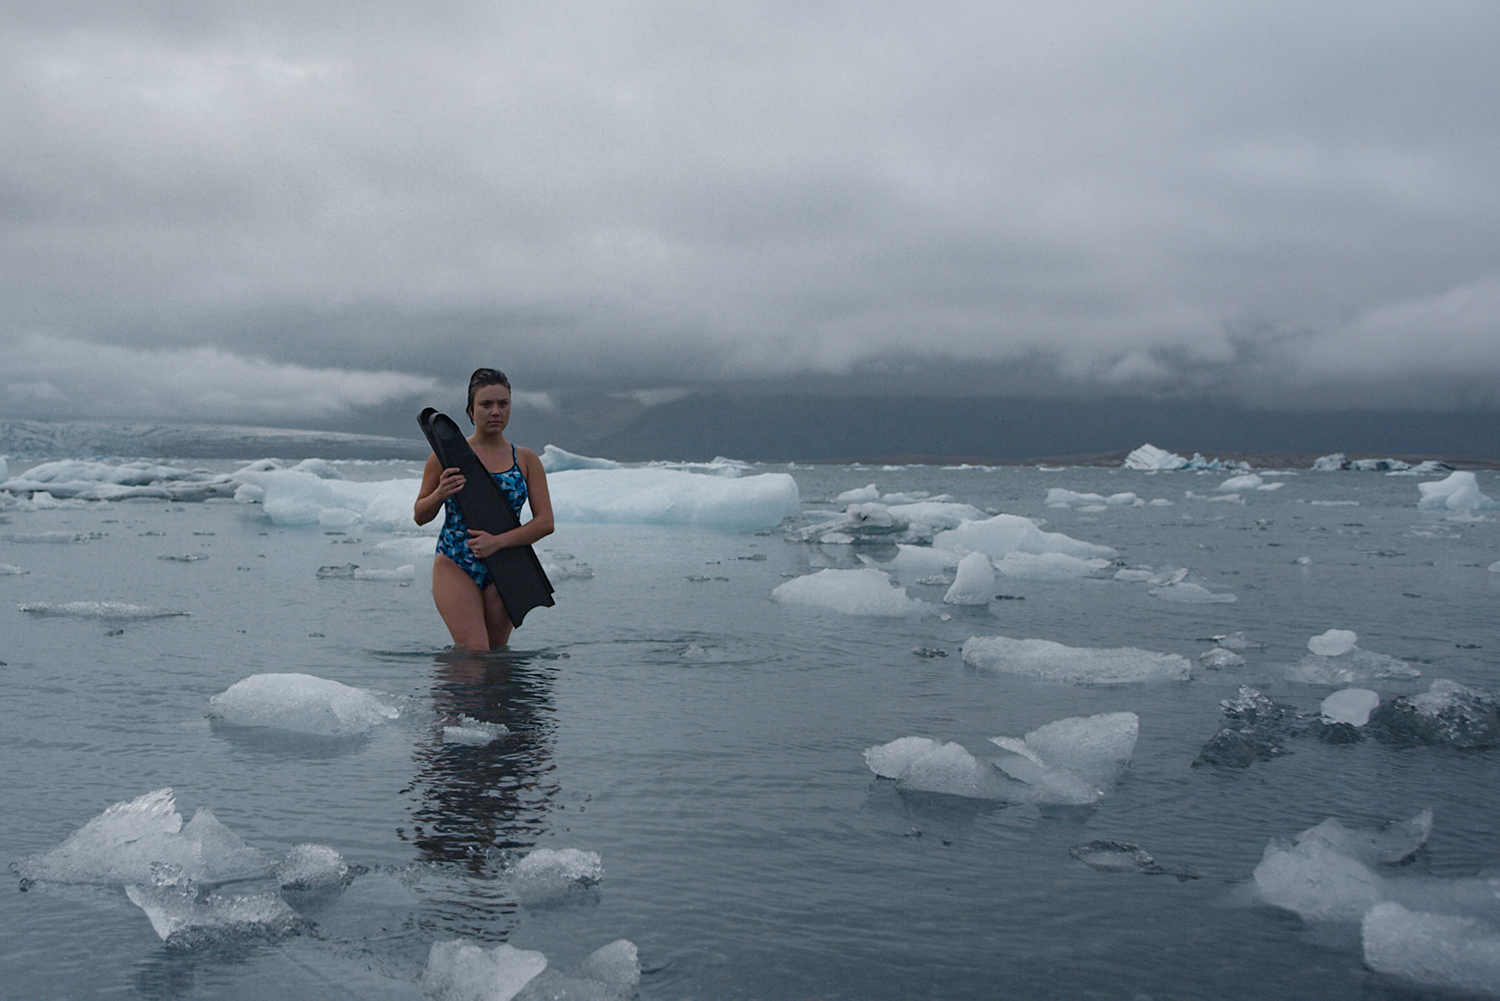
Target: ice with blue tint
x=1458 y=492
x=1047 y=566
x=1451 y=952
x=673 y=497
x=462 y=970
x=1149 y=457
x=1060 y=498
x=302 y=703
x=301 y=497
x=550 y=874
x=88 y=480
x=309 y=867
x=853 y=592
x=555 y=460
x=1045 y=660
x=973 y=583
x=183 y=914
x=1009 y=533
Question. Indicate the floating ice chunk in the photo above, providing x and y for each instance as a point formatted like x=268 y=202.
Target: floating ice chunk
x=1438 y=950
x=321 y=468
x=1268 y=487
x=1188 y=593
x=406 y=572
x=923 y=560
x=1331 y=463
x=1009 y=533
x=853 y=592
x=311 y=867
x=9 y=570
x=936 y=514
x=335 y=571
x=1495 y=567
x=1352 y=667
x=1219 y=659
x=555 y=460
x=98 y=610
x=1389 y=844
x=1162 y=502
x=127 y=839
x=889 y=760
x=1214 y=498
x=1149 y=457
x=1428 y=467
x=1316 y=881
x=1350 y=705
x=1075 y=758
x=295 y=497
x=974 y=583
x=1248 y=481
x=672 y=497
x=859 y=495
x=1459 y=492
x=1333 y=643
x=461 y=970
x=1047 y=566
x=1058 y=497
x=181 y=915
x=1121 y=856
x=869 y=522
x=1049 y=661
x=616 y=965
x=4 y=471
x=548 y=874
x=1379 y=465
x=1447 y=713
x=302 y=703
x=952 y=771
x=473 y=731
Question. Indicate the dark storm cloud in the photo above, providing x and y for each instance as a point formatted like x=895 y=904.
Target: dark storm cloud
x=1287 y=203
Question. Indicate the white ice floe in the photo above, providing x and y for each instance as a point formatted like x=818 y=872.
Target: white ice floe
x=1333 y=643
x=1331 y=463
x=1009 y=533
x=407 y=572
x=1495 y=567
x=302 y=703
x=85 y=480
x=1326 y=873
x=473 y=731
x=1048 y=661
x=935 y=513
x=1337 y=660
x=1188 y=593
x=555 y=460
x=974 y=583
x=1047 y=566
x=1247 y=481
x=853 y=592
x=1149 y=457
x=97 y=610
x=889 y=760
x=1350 y=705
x=1220 y=659
x=548 y=874
x=300 y=497
x=616 y=965
x=1059 y=498
x=659 y=496
x=1072 y=760
x=183 y=915
x=462 y=970
x=922 y=560
x=1459 y=492
x=123 y=843
x=311 y=867
x=859 y=495
x=951 y=770
x=1437 y=950
x=10 y=570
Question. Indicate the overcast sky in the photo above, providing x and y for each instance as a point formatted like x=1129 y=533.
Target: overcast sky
x=283 y=211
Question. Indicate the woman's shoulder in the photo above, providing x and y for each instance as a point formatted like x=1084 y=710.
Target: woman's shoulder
x=528 y=458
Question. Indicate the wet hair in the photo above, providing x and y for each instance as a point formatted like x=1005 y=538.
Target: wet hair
x=483 y=377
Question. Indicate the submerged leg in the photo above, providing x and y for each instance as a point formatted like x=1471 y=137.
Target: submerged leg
x=496 y=618
x=460 y=603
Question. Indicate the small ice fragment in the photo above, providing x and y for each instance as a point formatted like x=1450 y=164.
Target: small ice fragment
x=1120 y=856
x=300 y=702
x=889 y=760
x=179 y=915
x=1494 y=567
x=1333 y=643
x=1316 y=881
x=98 y=610
x=1388 y=844
x=1437 y=950
x=1350 y=705
x=1248 y=481
x=852 y=592
x=1048 y=661
x=951 y=770
x=311 y=867
x=461 y=970
x=1219 y=658
x=7 y=570
x=1446 y=714
x=974 y=583
x=1009 y=533
x=1304 y=560
x=473 y=731
x=406 y=572
x=859 y=495
x=617 y=965
x=344 y=570
x=1188 y=593
x=548 y=874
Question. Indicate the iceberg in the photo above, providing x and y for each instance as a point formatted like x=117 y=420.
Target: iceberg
x=1247 y=481
x=1009 y=533
x=462 y=970
x=1149 y=457
x=1060 y=498
x=1331 y=463
x=302 y=703
x=935 y=513
x=950 y=770
x=923 y=560
x=300 y=497
x=1454 y=953
x=1350 y=705
x=853 y=592
x=1458 y=492
x=1045 y=660
x=555 y=460
x=659 y=496
x=1316 y=881
x=1389 y=844
x=974 y=583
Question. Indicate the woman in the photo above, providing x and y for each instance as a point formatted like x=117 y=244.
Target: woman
x=462 y=589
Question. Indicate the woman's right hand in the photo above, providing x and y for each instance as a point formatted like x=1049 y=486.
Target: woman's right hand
x=450 y=483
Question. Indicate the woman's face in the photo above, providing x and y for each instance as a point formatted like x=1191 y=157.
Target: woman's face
x=491 y=410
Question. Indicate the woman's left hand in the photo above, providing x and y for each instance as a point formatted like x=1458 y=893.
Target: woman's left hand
x=483 y=544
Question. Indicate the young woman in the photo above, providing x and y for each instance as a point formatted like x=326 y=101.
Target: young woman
x=462 y=589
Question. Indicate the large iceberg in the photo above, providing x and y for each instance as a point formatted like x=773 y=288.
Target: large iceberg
x=77 y=478
x=1009 y=533
x=1149 y=457
x=1049 y=661
x=673 y=497
x=1459 y=492
x=555 y=460
x=303 y=497
x=300 y=702
x=853 y=592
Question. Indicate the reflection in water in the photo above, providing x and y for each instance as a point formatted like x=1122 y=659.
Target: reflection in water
x=479 y=801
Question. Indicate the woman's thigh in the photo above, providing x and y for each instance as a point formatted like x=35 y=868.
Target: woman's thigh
x=496 y=618
x=460 y=603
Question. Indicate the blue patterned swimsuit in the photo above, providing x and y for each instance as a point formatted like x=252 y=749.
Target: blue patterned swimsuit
x=453 y=540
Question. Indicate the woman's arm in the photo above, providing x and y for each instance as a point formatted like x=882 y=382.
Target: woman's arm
x=438 y=484
x=539 y=527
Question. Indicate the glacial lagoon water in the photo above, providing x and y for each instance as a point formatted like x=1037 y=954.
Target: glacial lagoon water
x=706 y=742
